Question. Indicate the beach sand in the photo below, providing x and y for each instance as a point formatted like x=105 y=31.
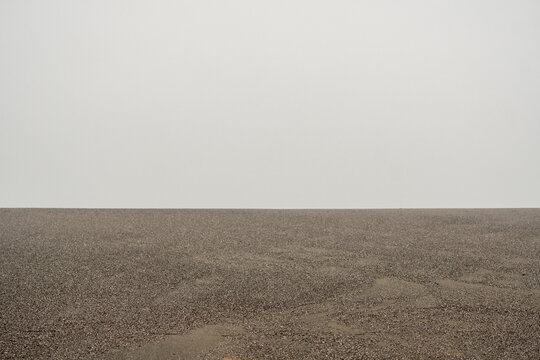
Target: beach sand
x=269 y=284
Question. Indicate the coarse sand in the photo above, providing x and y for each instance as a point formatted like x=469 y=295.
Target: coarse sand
x=269 y=284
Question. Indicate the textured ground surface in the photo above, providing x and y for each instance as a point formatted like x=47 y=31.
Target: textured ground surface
x=249 y=284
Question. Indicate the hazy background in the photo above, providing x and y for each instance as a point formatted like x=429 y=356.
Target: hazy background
x=270 y=104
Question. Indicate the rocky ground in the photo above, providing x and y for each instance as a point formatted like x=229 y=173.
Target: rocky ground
x=269 y=284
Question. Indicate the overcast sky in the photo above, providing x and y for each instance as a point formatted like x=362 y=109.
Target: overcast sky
x=270 y=104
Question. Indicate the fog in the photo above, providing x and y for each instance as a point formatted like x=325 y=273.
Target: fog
x=274 y=104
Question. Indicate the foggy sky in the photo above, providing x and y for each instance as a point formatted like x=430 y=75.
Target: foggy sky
x=270 y=104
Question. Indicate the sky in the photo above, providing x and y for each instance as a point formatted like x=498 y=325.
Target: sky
x=270 y=104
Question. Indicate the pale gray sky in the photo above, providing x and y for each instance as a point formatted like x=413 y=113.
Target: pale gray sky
x=270 y=104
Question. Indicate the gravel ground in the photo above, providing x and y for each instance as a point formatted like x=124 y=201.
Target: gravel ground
x=269 y=284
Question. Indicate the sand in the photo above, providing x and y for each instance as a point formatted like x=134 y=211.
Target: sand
x=269 y=284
